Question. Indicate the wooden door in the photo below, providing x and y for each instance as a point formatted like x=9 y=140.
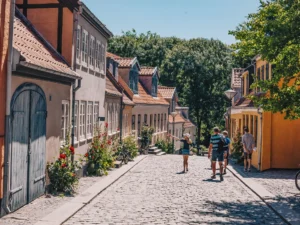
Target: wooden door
x=28 y=160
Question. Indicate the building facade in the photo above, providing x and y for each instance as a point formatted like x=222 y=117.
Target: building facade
x=269 y=129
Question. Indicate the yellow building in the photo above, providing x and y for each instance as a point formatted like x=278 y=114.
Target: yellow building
x=277 y=139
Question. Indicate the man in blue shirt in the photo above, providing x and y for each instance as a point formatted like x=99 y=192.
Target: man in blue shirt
x=216 y=153
x=226 y=149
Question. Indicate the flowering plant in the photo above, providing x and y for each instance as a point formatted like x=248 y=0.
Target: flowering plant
x=100 y=155
x=62 y=172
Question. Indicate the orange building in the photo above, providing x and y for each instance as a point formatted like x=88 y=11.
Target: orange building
x=276 y=138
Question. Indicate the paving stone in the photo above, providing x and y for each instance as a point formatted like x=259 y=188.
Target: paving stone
x=153 y=193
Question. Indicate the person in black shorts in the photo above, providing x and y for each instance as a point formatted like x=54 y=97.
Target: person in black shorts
x=187 y=142
x=226 y=149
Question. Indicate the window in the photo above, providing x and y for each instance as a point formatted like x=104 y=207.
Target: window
x=89 y=125
x=97 y=54
x=133 y=122
x=154 y=126
x=84 y=46
x=145 y=119
x=75 y=121
x=258 y=77
x=158 y=122
x=162 y=123
x=92 y=52
x=96 y=114
x=133 y=79
x=165 y=124
x=154 y=86
x=139 y=124
x=263 y=72
x=82 y=118
x=151 y=120
x=78 y=42
x=102 y=65
x=267 y=71
x=65 y=122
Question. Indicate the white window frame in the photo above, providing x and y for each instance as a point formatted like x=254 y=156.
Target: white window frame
x=78 y=44
x=65 y=120
x=92 y=52
x=82 y=120
x=84 y=47
x=97 y=55
x=102 y=58
x=76 y=107
x=96 y=114
x=89 y=120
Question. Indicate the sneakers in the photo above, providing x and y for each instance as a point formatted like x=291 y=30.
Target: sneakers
x=221 y=177
x=224 y=171
x=213 y=176
x=245 y=169
x=249 y=170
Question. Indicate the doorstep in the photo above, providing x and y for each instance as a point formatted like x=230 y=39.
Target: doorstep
x=70 y=208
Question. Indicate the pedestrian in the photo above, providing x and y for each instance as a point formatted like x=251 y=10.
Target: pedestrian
x=216 y=151
x=187 y=142
x=248 y=146
x=226 y=149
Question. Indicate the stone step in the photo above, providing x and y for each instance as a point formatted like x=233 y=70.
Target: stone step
x=151 y=149
x=118 y=164
x=155 y=152
x=161 y=153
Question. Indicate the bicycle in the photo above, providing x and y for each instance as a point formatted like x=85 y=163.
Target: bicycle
x=124 y=155
x=297 y=179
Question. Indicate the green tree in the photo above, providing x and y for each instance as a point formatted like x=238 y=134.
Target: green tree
x=273 y=32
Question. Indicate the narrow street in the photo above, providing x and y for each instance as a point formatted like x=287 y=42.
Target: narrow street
x=153 y=193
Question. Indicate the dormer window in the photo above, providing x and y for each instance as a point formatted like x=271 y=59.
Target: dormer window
x=154 y=86
x=133 y=79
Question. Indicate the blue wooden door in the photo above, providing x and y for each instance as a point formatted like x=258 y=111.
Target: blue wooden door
x=28 y=159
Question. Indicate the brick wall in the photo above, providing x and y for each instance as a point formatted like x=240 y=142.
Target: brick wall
x=4 y=31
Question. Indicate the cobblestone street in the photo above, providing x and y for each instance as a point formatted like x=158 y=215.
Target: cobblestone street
x=153 y=193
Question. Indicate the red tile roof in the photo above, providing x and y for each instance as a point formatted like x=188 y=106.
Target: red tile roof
x=144 y=98
x=123 y=61
x=188 y=124
x=247 y=102
x=147 y=71
x=166 y=92
x=34 y=50
x=127 y=101
x=125 y=87
x=178 y=119
x=111 y=87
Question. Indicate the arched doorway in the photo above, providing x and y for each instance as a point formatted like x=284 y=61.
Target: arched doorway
x=28 y=145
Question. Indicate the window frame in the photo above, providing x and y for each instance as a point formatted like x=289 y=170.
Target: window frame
x=65 y=117
x=75 y=127
x=78 y=44
x=82 y=120
x=133 y=123
x=85 y=47
x=89 y=120
x=96 y=114
x=92 y=52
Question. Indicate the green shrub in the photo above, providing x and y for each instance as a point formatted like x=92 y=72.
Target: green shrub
x=62 y=172
x=131 y=146
x=165 y=146
x=237 y=148
x=204 y=148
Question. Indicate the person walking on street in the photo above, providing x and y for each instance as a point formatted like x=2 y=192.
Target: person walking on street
x=216 y=150
x=187 y=142
x=248 y=146
x=226 y=149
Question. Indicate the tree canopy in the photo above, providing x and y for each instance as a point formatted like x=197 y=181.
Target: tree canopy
x=199 y=68
x=274 y=34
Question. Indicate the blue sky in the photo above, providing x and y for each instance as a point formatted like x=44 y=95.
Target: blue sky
x=180 y=18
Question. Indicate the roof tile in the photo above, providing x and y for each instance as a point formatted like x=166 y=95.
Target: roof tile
x=144 y=98
x=147 y=71
x=178 y=119
x=166 y=92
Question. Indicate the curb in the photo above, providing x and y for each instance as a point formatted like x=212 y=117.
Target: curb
x=66 y=211
x=281 y=209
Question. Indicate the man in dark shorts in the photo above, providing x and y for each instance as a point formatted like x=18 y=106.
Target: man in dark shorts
x=248 y=146
x=215 y=152
x=226 y=149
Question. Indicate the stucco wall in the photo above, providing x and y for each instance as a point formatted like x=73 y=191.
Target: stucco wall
x=151 y=109
x=127 y=117
x=124 y=73
x=58 y=93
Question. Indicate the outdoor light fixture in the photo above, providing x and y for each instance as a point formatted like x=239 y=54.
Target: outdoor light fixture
x=230 y=95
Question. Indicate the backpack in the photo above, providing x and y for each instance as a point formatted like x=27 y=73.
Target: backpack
x=221 y=144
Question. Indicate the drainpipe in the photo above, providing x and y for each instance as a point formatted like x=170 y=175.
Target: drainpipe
x=121 y=116
x=74 y=89
x=260 y=147
x=7 y=151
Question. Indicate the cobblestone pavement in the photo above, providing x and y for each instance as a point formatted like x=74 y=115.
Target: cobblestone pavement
x=153 y=193
x=31 y=213
x=280 y=183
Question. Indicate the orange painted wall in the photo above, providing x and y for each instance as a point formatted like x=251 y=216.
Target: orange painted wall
x=4 y=38
x=67 y=35
x=266 y=141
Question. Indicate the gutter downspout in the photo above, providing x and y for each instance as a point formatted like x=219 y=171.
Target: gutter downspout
x=121 y=116
x=74 y=89
x=7 y=151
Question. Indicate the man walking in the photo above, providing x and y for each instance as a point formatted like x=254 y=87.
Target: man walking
x=216 y=150
x=248 y=146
